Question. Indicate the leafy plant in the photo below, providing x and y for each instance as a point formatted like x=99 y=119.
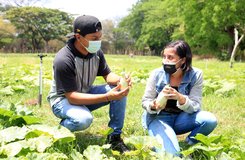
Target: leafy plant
x=96 y=152
x=218 y=87
x=16 y=115
x=33 y=138
x=216 y=147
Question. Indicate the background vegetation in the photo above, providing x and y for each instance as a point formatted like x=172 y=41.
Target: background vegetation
x=209 y=27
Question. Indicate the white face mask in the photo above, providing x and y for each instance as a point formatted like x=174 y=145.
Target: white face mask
x=93 y=46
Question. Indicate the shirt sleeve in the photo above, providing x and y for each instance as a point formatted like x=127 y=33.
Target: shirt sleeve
x=103 y=66
x=64 y=74
x=150 y=94
x=194 y=99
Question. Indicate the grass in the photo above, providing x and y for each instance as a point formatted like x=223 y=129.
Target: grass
x=230 y=111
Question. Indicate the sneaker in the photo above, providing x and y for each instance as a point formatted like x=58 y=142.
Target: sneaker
x=117 y=143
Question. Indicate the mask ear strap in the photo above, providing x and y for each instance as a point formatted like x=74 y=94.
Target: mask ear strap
x=183 y=66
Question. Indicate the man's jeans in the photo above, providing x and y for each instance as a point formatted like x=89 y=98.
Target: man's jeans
x=77 y=118
x=165 y=126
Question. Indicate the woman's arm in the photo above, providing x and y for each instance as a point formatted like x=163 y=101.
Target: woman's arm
x=194 y=99
x=150 y=94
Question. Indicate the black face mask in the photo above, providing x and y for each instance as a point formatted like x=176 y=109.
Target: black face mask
x=170 y=68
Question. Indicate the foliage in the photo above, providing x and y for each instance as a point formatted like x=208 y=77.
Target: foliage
x=7 y=31
x=206 y=25
x=216 y=147
x=96 y=152
x=150 y=25
x=122 y=40
x=30 y=138
x=39 y=24
x=218 y=87
x=16 y=115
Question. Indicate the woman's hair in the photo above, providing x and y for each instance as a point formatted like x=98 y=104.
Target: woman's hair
x=184 y=51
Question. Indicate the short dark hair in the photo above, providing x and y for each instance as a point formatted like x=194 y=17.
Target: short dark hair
x=184 y=51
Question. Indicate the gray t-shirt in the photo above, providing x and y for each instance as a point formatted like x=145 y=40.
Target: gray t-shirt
x=73 y=71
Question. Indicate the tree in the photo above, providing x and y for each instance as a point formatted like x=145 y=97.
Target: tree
x=7 y=32
x=107 y=38
x=151 y=23
x=39 y=24
x=237 y=42
x=208 y=26
x=211 y=24
x=122 y=41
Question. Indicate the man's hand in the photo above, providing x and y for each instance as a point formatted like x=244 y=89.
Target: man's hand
x=116 y=93
x=128 y=79
x=125 y=81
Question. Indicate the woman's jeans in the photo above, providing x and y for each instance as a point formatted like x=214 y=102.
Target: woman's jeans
x=79 y=117
x=165 y=126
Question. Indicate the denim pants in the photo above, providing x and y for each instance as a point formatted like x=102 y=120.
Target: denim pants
x=79 y=117
x=165 y=126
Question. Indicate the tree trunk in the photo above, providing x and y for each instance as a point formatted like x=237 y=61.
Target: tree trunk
x=46 y=47
x=237 y=41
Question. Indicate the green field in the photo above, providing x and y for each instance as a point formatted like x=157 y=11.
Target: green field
x=227 y=103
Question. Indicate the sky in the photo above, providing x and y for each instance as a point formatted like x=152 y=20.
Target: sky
x=102 y=9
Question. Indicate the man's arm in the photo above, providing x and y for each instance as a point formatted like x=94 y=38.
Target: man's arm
x=77 y=98
x=112 y=78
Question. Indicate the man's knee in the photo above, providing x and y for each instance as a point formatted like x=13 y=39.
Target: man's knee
x=80 y=123
x=84 y=123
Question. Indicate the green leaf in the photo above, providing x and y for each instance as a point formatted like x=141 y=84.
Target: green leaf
x=22 y=110
x=188 y=151
x=40 y=143
x=31 y=120
x=6 y=91
x=132 y=153
x=106 y=132
x=61 y=133
x=19 y=88
x=207 y=140
x=143 y=142
x=209 y=151
x=226 y=89
x=9 y=134
x=12 y=149
x=5 y=112
x=94 y=152
x=45 y=156
x=76 y=155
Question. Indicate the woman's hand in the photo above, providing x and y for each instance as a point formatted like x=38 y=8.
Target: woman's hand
x=155 y=106
x=171 y=93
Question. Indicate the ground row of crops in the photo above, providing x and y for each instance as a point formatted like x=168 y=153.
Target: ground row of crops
x=29 y=131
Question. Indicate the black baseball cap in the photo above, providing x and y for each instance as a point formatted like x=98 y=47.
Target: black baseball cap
x=86 y=24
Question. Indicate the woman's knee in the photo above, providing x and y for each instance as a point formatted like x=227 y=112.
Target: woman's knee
x=208 y=118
